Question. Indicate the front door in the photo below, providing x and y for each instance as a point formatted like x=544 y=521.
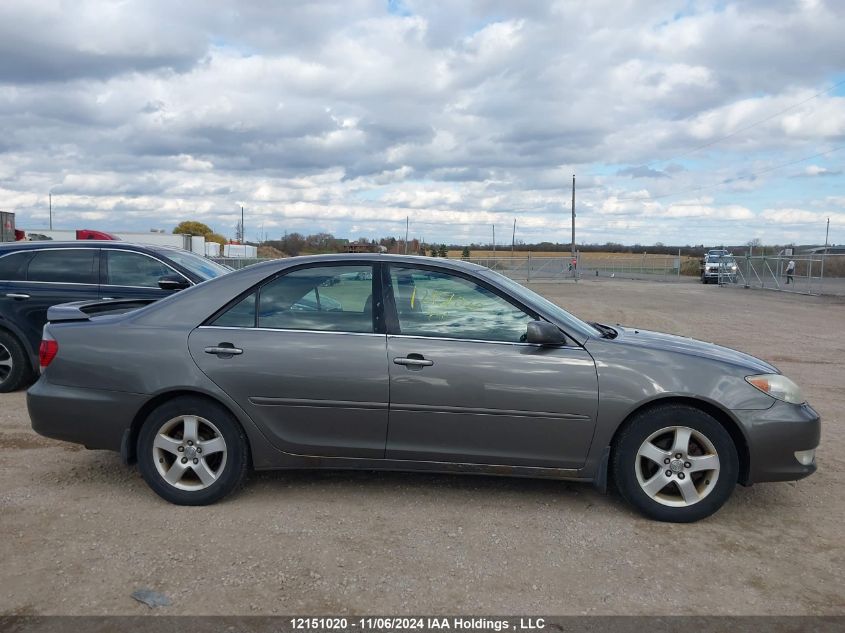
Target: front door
x=308 y=360
x=132 y=275
x=464 y=387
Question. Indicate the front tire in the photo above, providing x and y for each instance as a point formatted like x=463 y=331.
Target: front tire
x=14 y=366
x=192 y=451
x=675 y=463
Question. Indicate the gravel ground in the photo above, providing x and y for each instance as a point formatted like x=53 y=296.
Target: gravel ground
x=80 y=532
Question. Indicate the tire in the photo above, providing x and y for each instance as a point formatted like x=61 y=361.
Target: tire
x=15 y=371
x=699 y=482
x=168 y=437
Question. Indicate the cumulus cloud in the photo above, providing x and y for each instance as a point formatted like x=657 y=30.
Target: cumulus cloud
x=351 y=115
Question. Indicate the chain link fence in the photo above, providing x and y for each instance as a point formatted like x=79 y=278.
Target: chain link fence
x=813 y=274
x=583 y=266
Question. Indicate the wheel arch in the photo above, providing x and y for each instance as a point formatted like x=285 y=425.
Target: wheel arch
x=129 y=444
x=716 y=412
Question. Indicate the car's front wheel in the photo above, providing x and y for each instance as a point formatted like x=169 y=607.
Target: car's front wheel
x=675 y=463
x=192 y=451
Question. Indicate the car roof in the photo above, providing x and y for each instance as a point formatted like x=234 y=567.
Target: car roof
x=45 y=244
x=456 y=264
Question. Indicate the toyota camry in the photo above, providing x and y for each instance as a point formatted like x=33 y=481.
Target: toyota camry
x=415 y=364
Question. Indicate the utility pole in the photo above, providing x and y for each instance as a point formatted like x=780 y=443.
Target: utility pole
x=243 y=233
x=513 y=237
x=407 y=223
x=494 y=240
x=824 y=252
x=51 y=210
x=573 y=216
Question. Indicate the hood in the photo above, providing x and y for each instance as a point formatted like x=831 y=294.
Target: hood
x=691 y=347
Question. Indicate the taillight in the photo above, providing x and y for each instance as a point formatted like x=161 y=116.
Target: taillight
x=47 y=352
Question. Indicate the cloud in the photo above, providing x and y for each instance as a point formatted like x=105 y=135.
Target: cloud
x=351 y=115
x=642 y=172
x=811 y=171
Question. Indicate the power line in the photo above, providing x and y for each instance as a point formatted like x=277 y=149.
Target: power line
x=728 y=181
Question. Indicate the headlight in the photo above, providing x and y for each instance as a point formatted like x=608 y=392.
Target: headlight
x=777 y=386
x=733 y=266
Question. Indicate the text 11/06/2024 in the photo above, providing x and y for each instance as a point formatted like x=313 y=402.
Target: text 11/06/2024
x=422 y=623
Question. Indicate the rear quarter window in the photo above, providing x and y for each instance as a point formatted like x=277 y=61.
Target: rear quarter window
x=13 y=266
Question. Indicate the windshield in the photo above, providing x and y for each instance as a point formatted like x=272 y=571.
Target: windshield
x=569 y=321
x=200 y=266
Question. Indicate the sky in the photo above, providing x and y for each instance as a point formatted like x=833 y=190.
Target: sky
x=683 y=122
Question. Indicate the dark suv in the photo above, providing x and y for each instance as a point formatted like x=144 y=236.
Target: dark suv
x=37 y=275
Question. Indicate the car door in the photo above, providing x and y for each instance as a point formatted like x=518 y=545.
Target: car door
x=52 y=276
x=308 y=359
x=465 y=388
x=130 y=274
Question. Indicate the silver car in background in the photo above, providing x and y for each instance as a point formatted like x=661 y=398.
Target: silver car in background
x=416 y=364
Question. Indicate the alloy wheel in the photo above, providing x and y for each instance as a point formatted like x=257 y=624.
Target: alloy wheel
x=677 y=466
x=189 y=452
x=5 y=362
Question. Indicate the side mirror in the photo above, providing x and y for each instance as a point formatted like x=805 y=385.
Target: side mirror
x=173 y=282
x=544 y=333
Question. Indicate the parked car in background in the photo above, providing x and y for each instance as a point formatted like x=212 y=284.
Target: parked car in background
x=719 y=266
x=392 y=362
x=37 y=275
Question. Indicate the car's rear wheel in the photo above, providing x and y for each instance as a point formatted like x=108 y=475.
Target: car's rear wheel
x=675 y=463
x=14 y=367
x=192 y=451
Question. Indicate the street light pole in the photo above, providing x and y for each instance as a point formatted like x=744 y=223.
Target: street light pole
x=50 y=195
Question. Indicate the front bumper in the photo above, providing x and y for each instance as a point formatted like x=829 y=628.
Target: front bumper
x=774 y=435
x=95 y=418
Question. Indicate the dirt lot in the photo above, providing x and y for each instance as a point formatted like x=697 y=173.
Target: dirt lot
x=80 y=532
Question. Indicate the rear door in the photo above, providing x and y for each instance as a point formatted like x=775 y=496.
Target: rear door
x=308 y=360
x=53 y=276
x=130 y=274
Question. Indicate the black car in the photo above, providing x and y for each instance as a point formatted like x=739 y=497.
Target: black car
x=37 y=275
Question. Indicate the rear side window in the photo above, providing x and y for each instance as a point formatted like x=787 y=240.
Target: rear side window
x=326 y=298
x=13 y=267
x=64 y=265
x=125 y=268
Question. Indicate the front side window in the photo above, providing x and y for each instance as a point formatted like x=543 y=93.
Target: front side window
x=325 y=298
x=64 y=265
x=438 y=304
x=126 y=268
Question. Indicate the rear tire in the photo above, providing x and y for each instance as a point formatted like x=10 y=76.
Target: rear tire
x=15 y=371
x=675 y=463
x=192 y=451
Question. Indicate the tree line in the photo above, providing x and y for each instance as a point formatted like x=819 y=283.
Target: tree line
x=293 y=244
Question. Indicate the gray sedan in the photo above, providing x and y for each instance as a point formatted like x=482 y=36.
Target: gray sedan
x=408 y=363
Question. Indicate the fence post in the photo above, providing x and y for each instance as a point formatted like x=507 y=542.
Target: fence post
x=748 y=266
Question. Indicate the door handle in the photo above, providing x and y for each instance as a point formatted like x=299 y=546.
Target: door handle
x=413 y=362
x=16 y=295
x=224 y=350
